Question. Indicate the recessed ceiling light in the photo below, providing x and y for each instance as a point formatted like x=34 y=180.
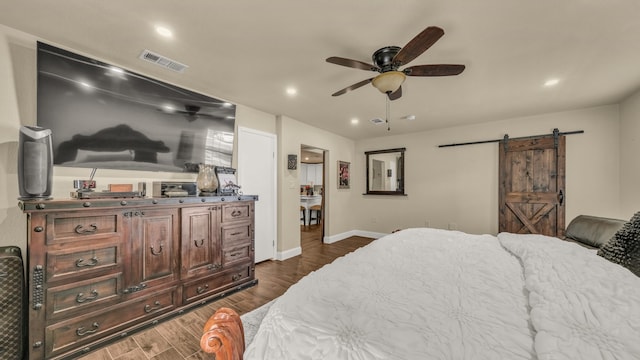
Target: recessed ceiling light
x=551 y=82
x=164 y=31
x=355 y=121
x=291 y=91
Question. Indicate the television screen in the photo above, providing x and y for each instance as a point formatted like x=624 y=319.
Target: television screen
x=103 y=116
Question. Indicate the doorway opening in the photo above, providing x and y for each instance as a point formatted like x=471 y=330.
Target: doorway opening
x=312 y=192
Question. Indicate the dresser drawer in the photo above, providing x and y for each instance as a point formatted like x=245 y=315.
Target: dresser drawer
x=83 y=260
x=237 y=212
x=75 y=227
x=67 y=300
x=205 y=287
x=75 y=332
x=234 y=235
x=232 y=256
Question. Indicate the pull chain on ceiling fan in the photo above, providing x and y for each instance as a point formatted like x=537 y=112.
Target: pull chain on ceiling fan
x=388 y=111
x=389 y=59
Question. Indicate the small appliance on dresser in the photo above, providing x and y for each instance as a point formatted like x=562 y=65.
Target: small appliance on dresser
x=11 y=304
x=35 y=163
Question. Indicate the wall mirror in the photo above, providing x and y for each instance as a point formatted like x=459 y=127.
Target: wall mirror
x=385 y=172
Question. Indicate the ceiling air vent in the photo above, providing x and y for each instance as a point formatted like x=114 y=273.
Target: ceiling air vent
x=377 y=121
x=163 y=61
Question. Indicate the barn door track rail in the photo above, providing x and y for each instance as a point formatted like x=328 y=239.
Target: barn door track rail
x=506 y=138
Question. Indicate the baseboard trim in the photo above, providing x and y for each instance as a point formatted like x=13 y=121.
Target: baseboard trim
x=335 y=238
x=287 y=254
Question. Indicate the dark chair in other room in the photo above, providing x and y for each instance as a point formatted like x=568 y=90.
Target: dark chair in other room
x=303 y=213
x=315 y=213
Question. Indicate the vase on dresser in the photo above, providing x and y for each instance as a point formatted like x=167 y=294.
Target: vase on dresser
x=207 y=181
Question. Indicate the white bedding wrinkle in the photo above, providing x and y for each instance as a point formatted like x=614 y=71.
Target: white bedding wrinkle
x=415 y=294
x=582 y=306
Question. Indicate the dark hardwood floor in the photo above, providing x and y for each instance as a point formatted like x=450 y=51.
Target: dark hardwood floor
x=179 y=338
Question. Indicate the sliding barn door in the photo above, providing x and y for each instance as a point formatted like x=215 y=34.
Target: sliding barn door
x=532 y=186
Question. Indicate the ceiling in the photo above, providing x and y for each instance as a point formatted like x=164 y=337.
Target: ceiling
x=249 y=52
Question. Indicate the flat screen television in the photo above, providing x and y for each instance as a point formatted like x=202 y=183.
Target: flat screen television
x=103 y=116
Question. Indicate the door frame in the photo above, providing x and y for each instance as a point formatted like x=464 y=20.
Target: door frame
x=272 y=209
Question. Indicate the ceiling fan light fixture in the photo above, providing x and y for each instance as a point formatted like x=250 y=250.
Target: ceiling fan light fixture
x=389 y=82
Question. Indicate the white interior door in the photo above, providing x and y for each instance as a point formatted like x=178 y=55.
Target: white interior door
x=257 y=176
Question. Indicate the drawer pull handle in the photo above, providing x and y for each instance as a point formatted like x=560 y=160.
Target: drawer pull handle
x=92 y=262
x=199 y=243
x=236 y=233
x=148 y=308
x=154 y=252
x=82 y=231
x=134 y=288
x=80 y=298
x=235 y=254
x=236 y=277
x=82 y=332
x=236 y=213
x=202 y=289
x=214 y=266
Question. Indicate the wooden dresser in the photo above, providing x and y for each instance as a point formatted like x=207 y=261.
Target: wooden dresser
x=101 y=269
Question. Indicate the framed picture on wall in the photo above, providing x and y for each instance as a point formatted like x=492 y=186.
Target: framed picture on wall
x=344 y=179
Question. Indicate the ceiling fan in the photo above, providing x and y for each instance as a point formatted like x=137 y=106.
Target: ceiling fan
x=389 y=59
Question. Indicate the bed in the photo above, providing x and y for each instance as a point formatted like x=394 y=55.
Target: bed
x=438 y=294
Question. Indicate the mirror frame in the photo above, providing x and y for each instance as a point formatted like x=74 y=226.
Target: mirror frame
x=401 y=172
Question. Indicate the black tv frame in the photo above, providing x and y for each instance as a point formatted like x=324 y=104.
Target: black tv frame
x=104 y=116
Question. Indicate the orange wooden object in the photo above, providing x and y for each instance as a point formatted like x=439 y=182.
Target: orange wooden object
x=224 y=335
x=120 y=187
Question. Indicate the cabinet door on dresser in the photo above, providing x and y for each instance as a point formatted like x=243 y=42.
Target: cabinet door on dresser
x=201 y=251
x=154 y=248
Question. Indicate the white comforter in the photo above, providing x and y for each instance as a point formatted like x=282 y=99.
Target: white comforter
x=582 y=306
x=436 y=294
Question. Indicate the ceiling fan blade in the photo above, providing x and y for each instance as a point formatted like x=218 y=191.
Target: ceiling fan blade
x=418 y=45
x=395 y=95
x=352 y=63
x=434 y=70
x=352 y=87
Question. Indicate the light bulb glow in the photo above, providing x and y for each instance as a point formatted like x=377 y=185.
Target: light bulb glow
x=291 y=91
x=163 y=31
x=551 y=82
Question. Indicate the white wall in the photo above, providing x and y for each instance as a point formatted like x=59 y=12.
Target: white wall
x=459 y=185
x=338 y=203
x=629 y=155
x=12 y=223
